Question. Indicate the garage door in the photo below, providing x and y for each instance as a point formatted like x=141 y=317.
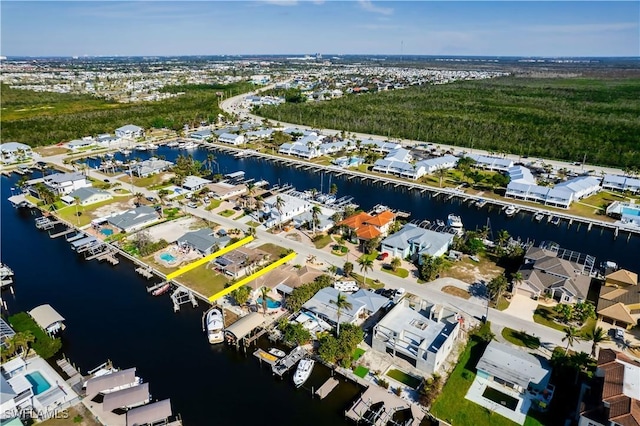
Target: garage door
x=524 y=292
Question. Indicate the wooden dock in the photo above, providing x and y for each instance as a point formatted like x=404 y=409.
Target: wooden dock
x=327 y=387
x=286 y=363
x=74 y=375
x=60 y=234
x=145 y=272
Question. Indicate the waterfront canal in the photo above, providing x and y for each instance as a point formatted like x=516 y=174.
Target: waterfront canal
x=109 y=314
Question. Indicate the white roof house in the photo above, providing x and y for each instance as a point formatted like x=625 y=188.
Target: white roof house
x=415 y=241
x=47 y=318
x=422 y=333
x=491 y=163
x=194 y=183
x=621 y=183
x=201 y=134
x=231 y=138
x=81 y=143
x=521 y=174
x=380 y=145
x=363 y=303
x=291 y=207
x=306 y=147
x=134 y=219
x=540 y=194
x=151 y=166
x=64 y=183
x=14 y=151
x=129 y=131
x=581 y=186
x=259 y=134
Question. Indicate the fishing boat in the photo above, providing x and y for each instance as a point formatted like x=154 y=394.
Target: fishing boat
x=510 y=210
x=305 y=367
x=215 y=326
x=454 y=221
x=277 y=352
x=538 y=217
x=161 y=290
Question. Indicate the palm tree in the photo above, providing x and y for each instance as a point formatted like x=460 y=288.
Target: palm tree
x=341 y=303
x=77 y=203
x=395 y=263
x=263 y=295
x=333 y=269
x=315 y=213
x=279 y=204
x=440 y=173
x=516 y=278
x=571 y=337
x=366 y=264
x=597 y=336
x=139 y=196
x=23 y=339
x=503 y=237
x=251 y=190
x=210 y=160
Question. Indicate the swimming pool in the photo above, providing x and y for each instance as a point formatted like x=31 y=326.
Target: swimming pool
x=630 y=211
x=168 y=257
x=271 y=304
x=106 y=232
x=38 y=382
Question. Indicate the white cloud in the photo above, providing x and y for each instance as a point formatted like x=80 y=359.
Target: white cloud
x=282 y=2
x=370 y=7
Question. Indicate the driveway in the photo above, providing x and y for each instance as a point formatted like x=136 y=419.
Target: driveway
x=522 y=307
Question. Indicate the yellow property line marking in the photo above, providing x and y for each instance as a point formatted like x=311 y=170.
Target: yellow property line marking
x=252 y=277
x=208 y=258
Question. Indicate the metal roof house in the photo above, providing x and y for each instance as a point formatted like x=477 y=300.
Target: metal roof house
x=64 y=183
x=80 y=143
x=491 y=163
x=47 y=318
x=421 y=332
x=231 y=139
x=194 y=183
x=415 y=241
x=203 y=240
x=363 y=305
x=87 y=196
x=134 y=219
x=201 y=135
x=129 y=131
x=10 y=152
x=621 y=183
x=149 y=414
x=151 y=166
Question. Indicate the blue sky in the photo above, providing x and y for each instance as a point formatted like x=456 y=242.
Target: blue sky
x=505 y=28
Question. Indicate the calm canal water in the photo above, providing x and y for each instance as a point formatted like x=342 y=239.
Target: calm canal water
x=109 y=314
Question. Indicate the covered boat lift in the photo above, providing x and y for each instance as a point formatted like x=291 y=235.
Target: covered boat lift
x=117 y=379
x=150 y=413
x=126 y=398
x=47 y=318
x=243 y=327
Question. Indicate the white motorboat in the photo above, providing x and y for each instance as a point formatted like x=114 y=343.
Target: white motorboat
x=454 y=221
x=152 y=146
x=510 y=210
x=439 y=222
x=305 y=367
x=215 y=326
x=277 y=352
x=140 y=147
x=173 y=144
x=188 y=145
x=538 y=217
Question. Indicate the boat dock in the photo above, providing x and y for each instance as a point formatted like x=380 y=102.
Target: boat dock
x=145 y=272
x=44 y=223
x=266 y=357
x=286 y=363
x=71 y=371
x=182 y=296
x=327 y=387
x=60 y=234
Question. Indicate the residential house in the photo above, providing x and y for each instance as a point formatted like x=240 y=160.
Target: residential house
x=259 y=134
x=545 y=273
x=195 y=183
x=241 y=261
x=231 y=138
x=64 y=183
x=498 y=164
x=12 y=152
x=78 y=144
x=520 y=190
x=367 y=227
x=203 y=240
x=105 y=140
x=150 y=167
x=200 y=135
x=621 y=183
x=413 y=241
x=129 y=131
x=429 y=166
x=362 y=303
x=619 y=301
x=522 y=377
x=291 y=207
x=628 y=213
x=87 y=196
x=380 y=145
x=224 y=190
x=581 y=186
x=324 y=222
x=135 y=219
x=305 y=147
x=420 y=332
x=614 y=392
x=285 y=278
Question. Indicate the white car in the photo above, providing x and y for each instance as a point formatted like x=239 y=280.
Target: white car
x=346 y=286
x=192 y=205
x=619 y=334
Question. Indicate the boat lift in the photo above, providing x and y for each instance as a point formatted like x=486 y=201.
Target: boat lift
x=182 y=296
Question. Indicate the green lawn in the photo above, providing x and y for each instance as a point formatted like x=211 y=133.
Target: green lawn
x=203 y=280
x=403 y=377
x=357 y=354
x=214 y=204
x=361 y=371
x=44 y=345
x=273 y=249
x=253 y=223
x=227 y=213
x=370 y=282
x=399 y=272
x=545 y=315
x=323 y=241
x=520 y=338
x=373 y=255
x=502 y=304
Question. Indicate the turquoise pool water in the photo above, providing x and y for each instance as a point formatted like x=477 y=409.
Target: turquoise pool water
x=271 y=304
x=167 y=257
x=38 y=382
x=106 y=232
x=630 y=211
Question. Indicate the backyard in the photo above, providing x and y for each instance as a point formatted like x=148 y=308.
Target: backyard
x=203 y=280
x=545 y=315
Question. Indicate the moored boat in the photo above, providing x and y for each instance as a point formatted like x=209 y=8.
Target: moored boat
x=510 y=210
x=538 y=217
x=555 y=220
x=161 y=290
x=277 y=352
x=303 y=372
x=454 y=221
x=215 y=326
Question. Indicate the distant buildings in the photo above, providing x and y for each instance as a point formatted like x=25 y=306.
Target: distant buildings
x=129 y=131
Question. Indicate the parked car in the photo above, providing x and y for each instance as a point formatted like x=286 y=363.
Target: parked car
x=383 y=256
x=619 y=334
x=192 y=205
x=346 y=286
